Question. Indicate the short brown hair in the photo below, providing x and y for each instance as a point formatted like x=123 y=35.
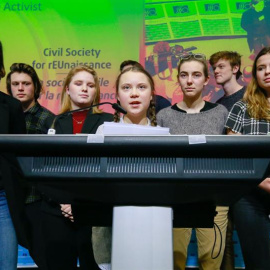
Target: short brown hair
x=233 y=57
x=131 y=63
x=198 y=57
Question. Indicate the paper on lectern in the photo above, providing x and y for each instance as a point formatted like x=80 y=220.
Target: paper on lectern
x=112 y=128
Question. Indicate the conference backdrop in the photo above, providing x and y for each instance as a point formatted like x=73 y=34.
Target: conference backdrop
x=173 y=28
x=54 y=36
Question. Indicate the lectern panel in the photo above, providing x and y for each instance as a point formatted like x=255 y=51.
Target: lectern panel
x=145 y=170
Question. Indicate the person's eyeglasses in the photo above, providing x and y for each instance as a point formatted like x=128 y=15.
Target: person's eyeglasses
x=192 y=55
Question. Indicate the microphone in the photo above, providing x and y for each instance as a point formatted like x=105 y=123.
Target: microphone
x=115 y=106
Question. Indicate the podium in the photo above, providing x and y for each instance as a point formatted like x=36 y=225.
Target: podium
x=161 y=171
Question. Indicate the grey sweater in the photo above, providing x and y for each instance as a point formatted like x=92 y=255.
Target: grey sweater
x=208 y=122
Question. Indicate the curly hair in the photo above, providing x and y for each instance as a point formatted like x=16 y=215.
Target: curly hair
x=255 y=96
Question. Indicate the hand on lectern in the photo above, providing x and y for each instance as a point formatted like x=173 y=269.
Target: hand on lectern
x=265 y=184
x=67 y=211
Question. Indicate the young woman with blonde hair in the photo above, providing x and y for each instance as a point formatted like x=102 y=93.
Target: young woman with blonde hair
x=63 y=241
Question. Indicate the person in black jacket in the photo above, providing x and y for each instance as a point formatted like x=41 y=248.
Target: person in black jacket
x=23 y=83
x=12 y=222
x=64 y=242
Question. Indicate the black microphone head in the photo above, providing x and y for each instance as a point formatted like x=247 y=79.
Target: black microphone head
x=118 y=108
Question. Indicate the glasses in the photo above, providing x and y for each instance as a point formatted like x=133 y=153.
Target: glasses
x=198 y=56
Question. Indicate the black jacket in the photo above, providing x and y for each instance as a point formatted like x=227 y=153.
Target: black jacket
x=63 y=124
x=12 y=122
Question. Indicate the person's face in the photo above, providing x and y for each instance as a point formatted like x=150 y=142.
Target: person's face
x=223 y=71
x=263 y=72
x=82 y=90
x=22 y=88
x=134 y=93
x=192 y=79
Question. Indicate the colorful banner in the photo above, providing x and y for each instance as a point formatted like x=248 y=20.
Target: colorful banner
x=173 y=28
x=54 y=36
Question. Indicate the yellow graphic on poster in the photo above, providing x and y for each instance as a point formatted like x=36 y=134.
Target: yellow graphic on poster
x=54 y=36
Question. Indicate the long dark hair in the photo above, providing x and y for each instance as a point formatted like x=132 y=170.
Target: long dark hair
x=2 y=67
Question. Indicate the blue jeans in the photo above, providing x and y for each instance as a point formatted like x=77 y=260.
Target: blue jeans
x=8 y=239
x=251 y=218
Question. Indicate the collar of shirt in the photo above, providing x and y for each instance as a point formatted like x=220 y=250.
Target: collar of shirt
x=33 y=109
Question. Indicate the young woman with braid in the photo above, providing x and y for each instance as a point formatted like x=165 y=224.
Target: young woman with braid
x=135 y=92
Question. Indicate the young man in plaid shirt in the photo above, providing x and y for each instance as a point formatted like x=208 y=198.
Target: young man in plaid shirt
x=23 y=84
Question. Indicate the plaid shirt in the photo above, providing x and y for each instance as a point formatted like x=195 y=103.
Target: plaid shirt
x=35 y=118
x=239 y=121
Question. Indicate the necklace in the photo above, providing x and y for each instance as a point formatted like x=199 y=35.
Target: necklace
x=79 y=117
x=78 y=122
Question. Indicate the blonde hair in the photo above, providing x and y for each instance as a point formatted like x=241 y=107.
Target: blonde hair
x=152 y=107
x=257 y=104
x=65 y=98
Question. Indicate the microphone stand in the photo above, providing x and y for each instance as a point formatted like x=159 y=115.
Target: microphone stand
x=115 y=106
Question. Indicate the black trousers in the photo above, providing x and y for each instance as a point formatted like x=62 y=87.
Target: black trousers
x=251 y=218
x=36 y=251
x=57 y=243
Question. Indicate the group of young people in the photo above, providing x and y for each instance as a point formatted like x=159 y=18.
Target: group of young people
x=55 y=240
